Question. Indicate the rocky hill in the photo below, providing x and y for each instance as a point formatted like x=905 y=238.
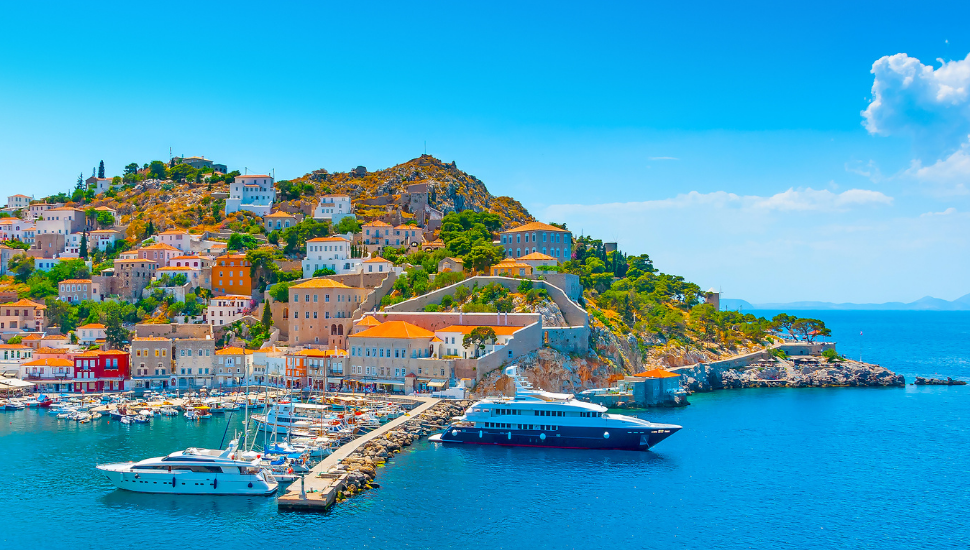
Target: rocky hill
x=449 y=189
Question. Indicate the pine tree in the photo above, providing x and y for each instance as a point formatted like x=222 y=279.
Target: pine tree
x=80 y=181
x=149 y=229
x=84 y=246
x=101 y=169
x=267 y=316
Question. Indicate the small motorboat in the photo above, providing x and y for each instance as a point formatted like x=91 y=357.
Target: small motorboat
x=126 y=420
x=168 y=411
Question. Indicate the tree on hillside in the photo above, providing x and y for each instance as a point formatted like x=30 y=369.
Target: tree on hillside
x=240 y=241
x=83 y=251
x=483 y=256
x=157 y=170
x=21 y=266
x=347 y=225
x=784 y=322
x=131 y=168
x=80 y=182
x=810 y=329
x=478 y=338
x=267 y=316
x=105 y=219
x=115 y=335
x=149 y=229
x=101 y=169
x=323 y=272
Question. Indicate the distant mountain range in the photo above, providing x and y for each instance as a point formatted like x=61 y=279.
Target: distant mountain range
x=927 y=303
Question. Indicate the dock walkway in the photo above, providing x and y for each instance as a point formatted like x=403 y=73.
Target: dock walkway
x=322 y=487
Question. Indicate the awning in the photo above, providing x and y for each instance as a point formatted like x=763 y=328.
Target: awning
x=438 y=383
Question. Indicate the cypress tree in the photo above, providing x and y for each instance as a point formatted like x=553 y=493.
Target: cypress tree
x=101 y=169
x=267 y=316
x=84 y=246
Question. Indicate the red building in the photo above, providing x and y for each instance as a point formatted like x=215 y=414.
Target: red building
x=98 y=371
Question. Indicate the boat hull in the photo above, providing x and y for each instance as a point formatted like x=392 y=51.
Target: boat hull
x=186 y=483
x=566 y=437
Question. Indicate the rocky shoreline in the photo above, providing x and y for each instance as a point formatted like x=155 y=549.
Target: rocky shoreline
x=361 y=466
x=921 y=381
x=801 y=373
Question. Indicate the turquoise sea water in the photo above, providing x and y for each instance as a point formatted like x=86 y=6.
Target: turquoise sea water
x=772 y=468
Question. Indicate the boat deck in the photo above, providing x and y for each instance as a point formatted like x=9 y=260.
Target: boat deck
x=320 y=485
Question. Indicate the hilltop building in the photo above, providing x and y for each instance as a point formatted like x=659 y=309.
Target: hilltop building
x=329 y=252
x=254 y=193
x=333 y=208
x=537 y=237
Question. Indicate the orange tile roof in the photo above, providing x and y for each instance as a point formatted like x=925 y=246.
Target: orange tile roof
x=252 y=176
x=24 y=302
x=13 y=346
x=49 y=351
x=503 y=330
x=377 y=223
x=368 y=321
x=535 y=256
x=322 y=353
x=535 y=226
x=395 y=329
x=280 y=214
x=657 y=373
x=76 y=281
x=233 y=297
x=376 y=259
x=150 y=339
x=327 y=240
x=233 y=351
x=49 y=362
x=159 y=246
x=33 y=336
x=92 y=325
x=174 y=232
x=320 y=283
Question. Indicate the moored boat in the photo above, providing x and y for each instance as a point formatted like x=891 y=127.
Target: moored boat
x=536 y=418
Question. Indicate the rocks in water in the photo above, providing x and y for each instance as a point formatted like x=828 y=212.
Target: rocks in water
x=361 y=465
x=921 y=381
x=804 y=373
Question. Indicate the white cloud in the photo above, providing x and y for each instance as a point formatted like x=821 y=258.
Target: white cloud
x=662 y=158
x=910 y=98
x=949 y=211
x=820 y=200
x=945 y=177
x=867 y=170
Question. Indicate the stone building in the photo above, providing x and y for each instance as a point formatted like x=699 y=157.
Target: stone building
x=320 y=312
x=194 y=362
x=132 y=276
x=537 y=237
x=151 y=362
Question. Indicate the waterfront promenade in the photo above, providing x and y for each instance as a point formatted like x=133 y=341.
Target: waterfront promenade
x=320 y=486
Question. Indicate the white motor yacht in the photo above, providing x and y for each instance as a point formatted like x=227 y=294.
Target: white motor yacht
x=194 y=471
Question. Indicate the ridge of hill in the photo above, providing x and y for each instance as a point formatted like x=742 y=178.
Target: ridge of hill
x=449 y=189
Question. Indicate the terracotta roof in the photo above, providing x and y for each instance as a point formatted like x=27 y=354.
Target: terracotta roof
x=535 y=256
x=395 y=329
x=505 y=264
x=55 y=337
x=280 y=214
x=105 y=209
x=159 y=246
x=368 y=321
x=24 y=302
x=320 y=283
x=106 y=231
x=174 y=232
x=33 y=336
x=67 y=208
x=405 y=226
x=657 y=373
x=76 y=281
x=92 y=325
x=377 y=223
x=49 y=351
x=233 y=351
x=134 y=261
x=503 y=330
x=233 y=297
x=176 y=268
x=376 y=259
x=232 y=257
x=24 y=196
x=13 y=346
x=150 y=339
x=252 y=176
x=534 y=226
x=327 y=240
x=49 y=362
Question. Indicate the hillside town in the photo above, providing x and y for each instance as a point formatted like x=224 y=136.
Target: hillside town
x=341 y=294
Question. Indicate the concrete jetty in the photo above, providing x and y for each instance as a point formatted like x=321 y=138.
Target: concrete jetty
x=321 y=487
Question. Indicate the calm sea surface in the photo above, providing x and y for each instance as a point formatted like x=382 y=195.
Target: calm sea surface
x=773 y=468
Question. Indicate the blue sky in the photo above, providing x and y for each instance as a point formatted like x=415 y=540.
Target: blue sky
x=727 y=141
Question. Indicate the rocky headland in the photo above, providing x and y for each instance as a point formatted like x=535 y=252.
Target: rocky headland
x=921 y=381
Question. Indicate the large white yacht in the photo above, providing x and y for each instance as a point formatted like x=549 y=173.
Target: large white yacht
x=536 y=418
x=193 y=471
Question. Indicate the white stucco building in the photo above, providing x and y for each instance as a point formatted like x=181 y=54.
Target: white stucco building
x=254 y=193
x=333 y=208
x=329 y=252
x=226 y=309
